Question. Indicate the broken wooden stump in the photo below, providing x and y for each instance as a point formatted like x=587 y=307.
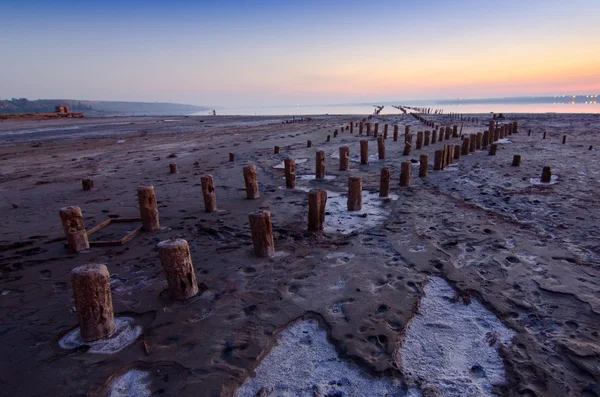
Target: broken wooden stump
x=74 y=228
x=449 y=154
x=368 y=129
x=251 y=182
x=544 y=135
x=148 y=208
x=405 y=169
x=546 y=175
x=493 y=148
x=420 y=137
x=231 y=156
x=427 y=138
x=289 y=165
x=93 y=301
x=385 y=131
x=344 y=158
x=173 y=168
x=360 y=128
x=179 y=271
x=320 y=164
x=407 y=145
x=364 y=152
x=516 y=160
x=276 y=150
x=564 y=139
x=262 y=233
x=87 y=184
x=395 y=132
x=455 y=131
x=376 y=130
x=354 y=193
x=423 y=164
x=465 y=146
x=457 y=149
x=434 y=137
x=328 y=138
x=208 y=193
x=438 y=160
x=381 y=147
x=472 y=142
x=384 y=182
x=485 y=141
x=317 y=201
x=309 y=143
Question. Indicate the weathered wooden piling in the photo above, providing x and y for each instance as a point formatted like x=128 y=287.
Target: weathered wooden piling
x=544 y=135
x=231 y=156
x=420 y=137
x=515 y=127
x=173 y=168
x=457 y=149
x=438 y=160
x=546 y=175
x=262 y=233
x=87 y=184
x=179 y=271
x=351 y=127
x=447 y=134
x=368 y=129
x=208 y=193
x=354 y=193
x=381 y=147
x=423 y=164
x=364 y=152
x=441 y=134
x=395 y=132
x=449 y=154
x=516 y=160
x=465 y=146
x=434 y=136
x=289 y=165
x=317 y=201
x=360 y=128
x=335 y=134
x=328 y=138
x=384 y=182
x=564 y=139
x=276 y=150
x=493 y=148
x=93 y=301
x=455 y=131
x=405 y=169
x=376 y=130
x=406 y=129
x=485 y=140
x=427 y=138
x=385 y=131
x=74 y=228
x=479 y=141
x=148 y=208
x=492 y=127
x=308 y=143
x=407 y=145
x=251 y=182
x=320 y=164
x=344 y=158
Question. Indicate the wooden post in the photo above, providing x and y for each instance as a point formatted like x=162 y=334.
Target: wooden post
x=515 y=127
x=276 y=150
x=360 y=128
x=496 y=134
x=376 y=131
x=351 y=127
x=368 y=129
x=344 y=158
x=364 y=152
x=87 y=184
x=74 y=228
x=93 y=301
x=449 y=154
x=423 y=163
x=455 y=131
x=516 y=160
x=308 y=143
x=564 y=139
x=493 y=148
x=335 y=134
x=427 y=138
x=354 y=193
x=177 y=264
x=395 y=132
x=447 y=133
x=384 y=182
x=472 y=142
x=434 y=137
x=262 y=233
x=290 y=173
x=407 y=145
x=485 y=140
x=457 y=152
x=405 y=169
x=328 y=138
x=406 y=130
x=320 y=164
x=465 y=146
x=317 y=200
x=441 y=134
x=208 y=193
x=478 y=140
x=385 y=131
x=231 y=156
x=381 y=147
x=251 y=182
x=492 y=128
x=173 y=168
x=546 y=175
x=148 y=208
x=420 y=140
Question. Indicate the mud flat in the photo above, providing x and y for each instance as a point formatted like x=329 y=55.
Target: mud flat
x=480 y=271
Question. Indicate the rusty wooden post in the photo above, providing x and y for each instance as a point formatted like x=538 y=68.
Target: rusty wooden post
x=546 y=175
x=407 y=145
x=208 y=193
x=395 y=132
x=317 y=201
x=93 y=301
x=381 y=147
x=87 y=184
x=231 y=156
x=251 y=182
x=420 y=137
x=320 y=164
x=290 y=173
x=148 y=208
x=179 y=271
x=427 y=138
x=493 y=148
x=457 y=149
x=423 y=163
x=364 y=152
x=405 y=169
x=276 y=150
x=516 y=160
x=384 y=182
x=74 y=228
x=173 y=168
x=344 y=158
x=262 y=233
x=354 y=193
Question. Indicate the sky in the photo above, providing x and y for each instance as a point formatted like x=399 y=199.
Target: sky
x=287 y=52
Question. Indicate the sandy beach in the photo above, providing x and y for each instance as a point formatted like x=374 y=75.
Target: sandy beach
x=496 y=272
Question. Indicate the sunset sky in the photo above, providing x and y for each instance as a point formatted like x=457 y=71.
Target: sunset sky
x=283 y=52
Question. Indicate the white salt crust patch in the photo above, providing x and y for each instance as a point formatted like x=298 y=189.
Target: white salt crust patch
x=133 y=383
x=304 y=363
x=538 y=181
x=282 y=164
x=339 y=219
x=446 y=345
x=313 y=177
x=126 y=332
x=503 y=140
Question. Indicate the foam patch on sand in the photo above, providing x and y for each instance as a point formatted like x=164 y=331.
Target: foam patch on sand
x=281 y=165
x=314 y=177
x=538 y=181
x=453 y=347
x=304 y=363
x=126 y=332
x=339 y=219
x=133 y=383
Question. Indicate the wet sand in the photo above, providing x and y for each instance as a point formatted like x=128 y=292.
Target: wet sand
x=530 y=254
